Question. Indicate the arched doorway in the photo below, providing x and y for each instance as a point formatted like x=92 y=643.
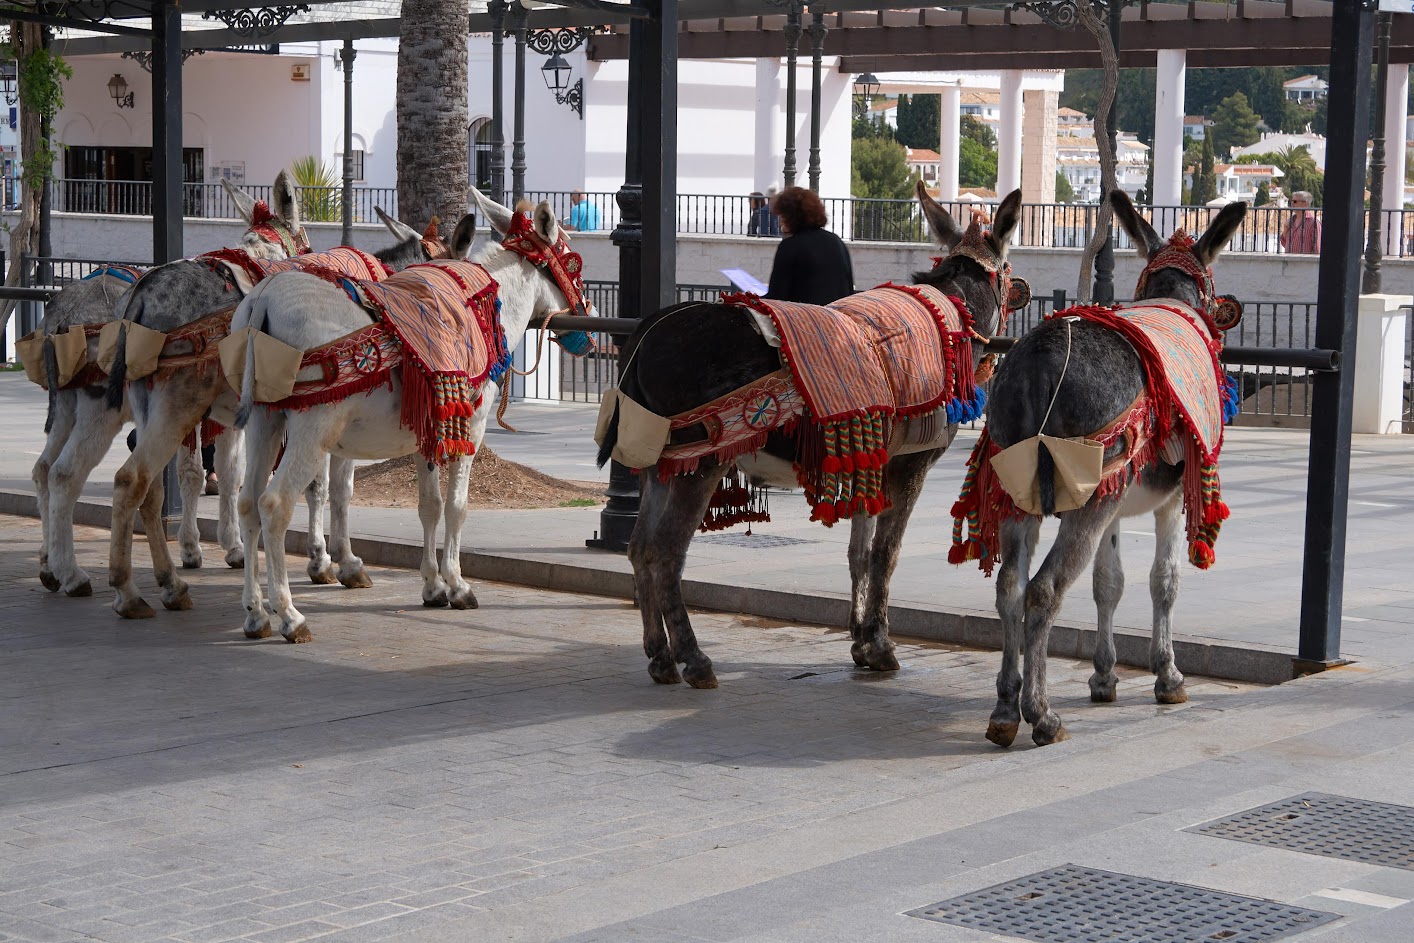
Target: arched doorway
x=479 y=159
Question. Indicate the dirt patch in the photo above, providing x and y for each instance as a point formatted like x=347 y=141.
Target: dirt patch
x=496 y=483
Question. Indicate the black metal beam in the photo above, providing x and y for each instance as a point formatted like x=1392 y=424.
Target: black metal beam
x=497 y=10
x=48 y=19
x=347 y=54
x=166 y=132
x=518 y=165
x=1337 y=300
x=1128 y=59
x=629 y=10
x=660 y=158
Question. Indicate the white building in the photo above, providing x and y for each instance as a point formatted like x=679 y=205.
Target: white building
x=1078 y=159
x=1240 y=181
x=1196 y=127
x=1073 y=123
x=1274 y=143
x=923 y=163
x=1306 y=89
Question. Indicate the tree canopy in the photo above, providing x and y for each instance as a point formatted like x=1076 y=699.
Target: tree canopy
x=879 y=171
x=920 y=121
x=1234 y=124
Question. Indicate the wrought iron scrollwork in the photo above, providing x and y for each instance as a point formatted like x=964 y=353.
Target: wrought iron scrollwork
x=256 y=22
x=558 y=40
x=574 y=97
x=144 y=57
x=1063 y=13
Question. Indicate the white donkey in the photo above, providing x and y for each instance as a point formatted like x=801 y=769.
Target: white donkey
x=305 y=313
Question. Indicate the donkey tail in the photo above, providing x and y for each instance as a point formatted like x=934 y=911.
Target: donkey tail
x=51 y=377
x=1046 y=477
x=252 y=315
x=118 y=373
x=611 y=439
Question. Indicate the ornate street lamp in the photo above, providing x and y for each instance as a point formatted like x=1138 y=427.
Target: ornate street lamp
x=866 y=86
x=9 y=82
x=118 y=88
x=556 y=71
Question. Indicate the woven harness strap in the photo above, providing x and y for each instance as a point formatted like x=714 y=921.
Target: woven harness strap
x=566 y=268
x=1220 y=312
x=974 y=246
x=274 y=230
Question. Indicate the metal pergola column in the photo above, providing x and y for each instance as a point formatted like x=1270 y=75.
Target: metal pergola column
x=1337 y=299
x=167 y=176
x=346 y=199
x=497 y=11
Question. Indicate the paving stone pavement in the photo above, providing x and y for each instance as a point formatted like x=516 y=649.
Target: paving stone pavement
x=511 y=773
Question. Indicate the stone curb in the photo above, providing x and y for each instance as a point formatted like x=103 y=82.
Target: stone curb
x=1236 y=661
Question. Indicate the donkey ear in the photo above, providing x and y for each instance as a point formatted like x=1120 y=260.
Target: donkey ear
x=547 y=225
x=1146 y=241
x=400 y=230
x=286 y=200
x=463 y=236
x=1211 y=244
x=496 y=215
x=940 y=221
x=1005 y=222
x=243 y=202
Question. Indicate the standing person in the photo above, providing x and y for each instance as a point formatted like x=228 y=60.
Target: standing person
x=755 y=204
x=584 y=216
x=1303 y=233
x=812 y=264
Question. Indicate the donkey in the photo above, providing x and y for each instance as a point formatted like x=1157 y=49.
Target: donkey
x=165 y=410
x=1071 y=377
x=68 y=458
x=305 y=313
x=688 y=355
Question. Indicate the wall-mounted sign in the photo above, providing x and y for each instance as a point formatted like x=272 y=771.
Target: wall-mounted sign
x=232 y=170
x=299 y=72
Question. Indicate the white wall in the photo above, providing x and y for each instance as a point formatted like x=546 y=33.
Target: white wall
x=235 y=107
x=374 y=114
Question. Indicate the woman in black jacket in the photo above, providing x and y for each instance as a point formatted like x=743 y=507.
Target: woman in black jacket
x=812 y=264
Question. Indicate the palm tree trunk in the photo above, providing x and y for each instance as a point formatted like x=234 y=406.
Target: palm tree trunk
x=24 y=236
x=432 y=111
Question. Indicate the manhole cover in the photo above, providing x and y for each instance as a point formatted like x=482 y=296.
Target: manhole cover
x=1071 y=904
x=1321 y=824
x=757 y=541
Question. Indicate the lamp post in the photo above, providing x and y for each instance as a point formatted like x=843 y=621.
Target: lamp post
x=866 y=86
x=557 y=71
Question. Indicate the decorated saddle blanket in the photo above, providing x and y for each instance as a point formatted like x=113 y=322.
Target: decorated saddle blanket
x=854 y=370
x=440 y=322
x=335 y=265
x=1179 y=417
x=74 y=347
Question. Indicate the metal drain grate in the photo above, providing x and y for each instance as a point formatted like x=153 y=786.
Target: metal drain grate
x=1071 y=904
x=755 y=541
x=1332 y=826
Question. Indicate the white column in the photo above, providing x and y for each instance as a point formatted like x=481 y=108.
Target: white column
x=1168 y=128
x=1396 y=139
x=949 y=148
x=1379 y=364
x=766 y=167
x=1009 y=140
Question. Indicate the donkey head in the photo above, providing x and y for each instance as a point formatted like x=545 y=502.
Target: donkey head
x=975 y=265
x=272 y=233
x=1181 y=267
x=414 y=247
x=535 y=235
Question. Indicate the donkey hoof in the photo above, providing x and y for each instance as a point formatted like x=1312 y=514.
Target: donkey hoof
x=51 y=582
x=135 y=608
x=79 y=590
x=1104 y=692
x=1178 y=695
x=257 y=625
x=1043 y=737
x=664 y=671
x=702 y=678
x=235 y=559
x=884 y=661
x=179 y=603
x=359 y=579
x=322 y=576
x=463 y=599
x=300 y=633
x=856 y=651
x=191 y=561
x=436 y=600
x=1003 y=735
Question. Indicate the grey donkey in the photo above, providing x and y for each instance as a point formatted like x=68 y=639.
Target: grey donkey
x=687 y=355
x=1092 y=374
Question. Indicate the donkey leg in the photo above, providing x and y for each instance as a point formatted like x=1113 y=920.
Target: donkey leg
x=191 y=480
x=645 y=550
x=905 y=482
x=1080 y=532
x=1017 y=548
x=230 y=471
x=175 y=595
x=1108 y=587
x=156 y=443
x=61 y=425
x=1163 y=588
x=429 y=511
x=861 y=539
x=302 y=461
x=265 y=432
x=690 y=496
x=460 y=595
x=316 y=499
x=88 y=441
x=341 y=479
